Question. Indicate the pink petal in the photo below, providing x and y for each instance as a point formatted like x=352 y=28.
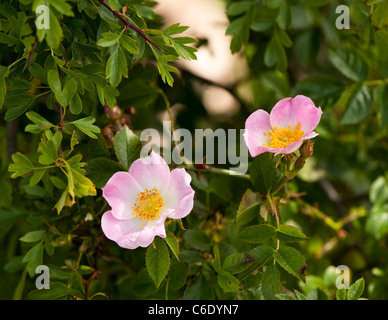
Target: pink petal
x=179 y=196
x=291 y=111
x=150 y=172
x=114 y=228
x=292 y=147
x=151 y=230
x=121 y=192
x=255 y=126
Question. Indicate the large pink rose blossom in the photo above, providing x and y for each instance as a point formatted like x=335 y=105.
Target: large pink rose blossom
x=291 y=121
x=142 y=199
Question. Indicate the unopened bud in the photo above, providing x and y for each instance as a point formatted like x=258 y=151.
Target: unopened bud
x=307 y=148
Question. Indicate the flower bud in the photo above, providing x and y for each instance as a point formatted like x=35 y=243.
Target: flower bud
x=307 y=149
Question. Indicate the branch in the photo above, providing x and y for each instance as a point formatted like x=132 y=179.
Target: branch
x=129 y=25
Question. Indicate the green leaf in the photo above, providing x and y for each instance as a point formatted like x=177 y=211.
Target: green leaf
x=177 y=275
x=100 y=170
x=291 y=260
x=57 y=290
x=33 y=236
x=275 y=54
x=164 y=68
x=158 y=261
x=378 y=192
x=21 y=165
x=340 y=294
x=116 y=67
x=261 y=253
x=227 y=282
x=86 y=126
x=173 y=243
x=270 y=285
x=264 y=175
x=359 y=104
x=41 y=123
x=129 y=44
x=49 y=149
x=380 y=96
x=3 y=85
x=17 y=104
x=127 y=147
x=356 y=289
x=199 y=289
x=249 y=207
x=237 y=262
x=197 y=239
x=34 y=258
x=380 y=15
x=108 y=39
x=289 y=233
x=75 y=105
x=62 y=7
x=54 y=34
x=349 y=62
x=237 y=8
x=257 y=234
x=283 y=296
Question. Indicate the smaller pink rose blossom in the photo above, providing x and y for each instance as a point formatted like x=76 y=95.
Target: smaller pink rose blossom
x=142 y=199
x=291 y=121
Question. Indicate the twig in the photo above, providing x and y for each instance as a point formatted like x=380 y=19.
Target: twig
x=129 y=25
x=30 y=54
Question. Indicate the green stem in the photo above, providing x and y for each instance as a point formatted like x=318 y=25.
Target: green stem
x=224 y=172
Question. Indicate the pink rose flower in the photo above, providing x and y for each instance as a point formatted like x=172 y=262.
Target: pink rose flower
x=291 y=121
x=142 y=199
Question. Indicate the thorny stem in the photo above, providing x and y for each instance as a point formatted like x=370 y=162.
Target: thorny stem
x=129 y=25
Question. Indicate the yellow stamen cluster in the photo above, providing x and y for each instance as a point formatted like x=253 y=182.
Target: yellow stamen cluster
x=280 y=138
x=148 y=205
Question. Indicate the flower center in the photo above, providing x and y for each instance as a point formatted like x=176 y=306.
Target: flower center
x=148 y=205
x=280 y=138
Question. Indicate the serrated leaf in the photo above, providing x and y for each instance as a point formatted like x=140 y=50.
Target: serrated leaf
x=197 y=239
x=158 y=261
x=86 y=126
x=100 y=170
x=291 y=260
x=127 y=147
x=264 y=175
x=199 y=289
x=173 y=243
x=227 y=282
x=356 y=289
x=257 y=234
x=249 y=207
x=349 y=62
x=237 y=262
x=359 y=104
x=270 y=285
x=289 y=233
